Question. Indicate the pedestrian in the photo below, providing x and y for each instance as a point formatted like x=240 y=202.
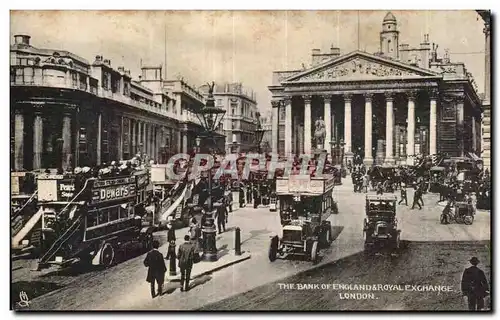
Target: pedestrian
x=474 y=285
x=416 y=199
x=186 y=258
x=380 y=188
x=230 y=199
x=221 y=217
x=365 y=183
x=156 y=269
x=241 y=197
x=403 y=195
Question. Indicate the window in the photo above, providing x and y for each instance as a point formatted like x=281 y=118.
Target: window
x=126 y=88
x=19 y=75
x=105 y=81
x=115 y=85
x=22 y=61
x=74 y=79
x=233 y=110
x=92 y=219
x=113 y=214
x=83 y=82
x=282 y=114
x=28 y=75
x=103 y=216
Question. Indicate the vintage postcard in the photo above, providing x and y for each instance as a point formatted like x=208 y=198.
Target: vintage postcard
x=250 y=160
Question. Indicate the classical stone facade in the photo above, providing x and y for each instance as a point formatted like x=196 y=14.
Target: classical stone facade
x=386 y=107
x=67 y=112
x=486 y=123
x=240 y=120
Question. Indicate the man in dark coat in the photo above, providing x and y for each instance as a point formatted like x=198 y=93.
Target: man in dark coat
x=417 y=198
x=156 y=268
x=474 y=285
x=185 y=255
x=221 y=215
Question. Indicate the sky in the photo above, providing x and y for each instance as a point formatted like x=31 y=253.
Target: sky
x=242 y=46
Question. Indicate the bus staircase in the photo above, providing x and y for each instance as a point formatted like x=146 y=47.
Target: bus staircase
x=178 y=199
x=68 y=234
x=17 y=220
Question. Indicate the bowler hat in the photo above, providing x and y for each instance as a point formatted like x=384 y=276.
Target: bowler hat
x=474 y=260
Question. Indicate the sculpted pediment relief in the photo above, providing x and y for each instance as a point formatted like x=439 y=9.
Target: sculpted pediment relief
x=358 y=69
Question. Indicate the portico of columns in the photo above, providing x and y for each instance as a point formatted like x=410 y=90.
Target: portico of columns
x=368 y=125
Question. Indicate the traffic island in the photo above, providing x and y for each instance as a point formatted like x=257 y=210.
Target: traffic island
x=202 y=268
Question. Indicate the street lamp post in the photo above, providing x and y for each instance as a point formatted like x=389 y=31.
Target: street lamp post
x=259 y=133
x=210 y=117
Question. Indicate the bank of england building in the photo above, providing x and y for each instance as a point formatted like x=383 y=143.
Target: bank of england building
x=387 y=107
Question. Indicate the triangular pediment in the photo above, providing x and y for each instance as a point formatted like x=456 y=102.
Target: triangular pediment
x=360 y=66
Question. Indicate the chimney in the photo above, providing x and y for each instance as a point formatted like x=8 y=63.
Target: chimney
x=107 y=62
x=316 y=57
x=404 y=49
x=121 y=69
x=22 y=39
x=334 y=52
x=425 y=52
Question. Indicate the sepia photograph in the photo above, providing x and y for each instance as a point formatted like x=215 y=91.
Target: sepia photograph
x=258 y=160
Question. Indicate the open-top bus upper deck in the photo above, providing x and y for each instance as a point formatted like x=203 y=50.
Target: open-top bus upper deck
x=304 y=185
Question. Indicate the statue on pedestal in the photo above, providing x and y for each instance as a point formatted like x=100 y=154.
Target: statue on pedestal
x=319 y=131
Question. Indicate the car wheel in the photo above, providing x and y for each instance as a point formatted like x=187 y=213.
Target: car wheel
x=314 y=252
x=107 y=255
x=273 y=248
x=468 y=220
x=328 y=236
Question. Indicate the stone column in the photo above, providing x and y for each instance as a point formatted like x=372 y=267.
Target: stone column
x=368 y=160
x=288 y=126
x=146 y=138
x=389 y=128
x=184 y=142
x=120 y=139
x=347 y=127
x=274 y=126
x=328 y=123
x=37 y=140
x=132 y=137
x=397 y=142
x=18 y=140
x=460 y=126
x=474 y=133
x=433 y=124
x=410 y=146
x=99 y=139
x=140 y=145
x=307 y=124
x=66 y=135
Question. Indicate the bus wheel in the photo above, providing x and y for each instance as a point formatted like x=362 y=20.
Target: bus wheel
x=107 y=255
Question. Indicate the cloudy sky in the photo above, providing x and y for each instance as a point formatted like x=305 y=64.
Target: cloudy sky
x=242 y=46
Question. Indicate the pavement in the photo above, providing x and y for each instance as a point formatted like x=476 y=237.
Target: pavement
x=123 y=287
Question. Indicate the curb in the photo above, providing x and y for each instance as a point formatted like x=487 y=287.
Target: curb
x=242 y=258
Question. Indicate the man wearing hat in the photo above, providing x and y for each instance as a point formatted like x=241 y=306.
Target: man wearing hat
x=474 y=285
x=156 y=269
x=221 y=215
x=186 y=257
